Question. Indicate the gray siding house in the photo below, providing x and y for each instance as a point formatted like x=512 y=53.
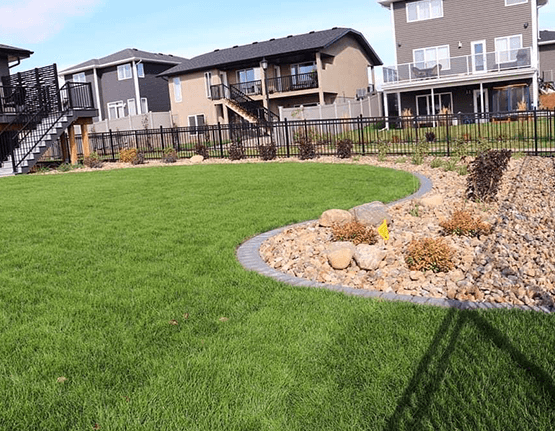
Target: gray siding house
x=547 y=55
x=462 y=56
x=125 y=83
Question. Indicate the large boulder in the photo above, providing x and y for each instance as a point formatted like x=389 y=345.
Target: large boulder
x=197 y=159
x=340 y=258
x=331 y=217
x=372 y=214
x=369 y=257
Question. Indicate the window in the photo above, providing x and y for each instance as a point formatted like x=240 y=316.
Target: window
x=79 y=77
x=506 y=48
x=207 y=84
x=177 y=89
x=424 y=9
x=131 y=107
x=507 y=98
x=196 y=123
x=426 y=58
x=441 y=100
x=144 y=105
x=124 y=72
x=249 y=81
x=512 y=2
x=116 y=110
x=140 y=70
x=298 y=69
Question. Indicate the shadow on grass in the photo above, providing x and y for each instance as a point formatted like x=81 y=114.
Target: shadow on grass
x=414 y=406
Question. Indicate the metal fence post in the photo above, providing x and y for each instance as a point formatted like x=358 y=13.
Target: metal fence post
x=361 y=132
x=287 y=138
x=447 y=120
x=112 y=145
x=162 y=137
x=220 y=139
x=536 y=130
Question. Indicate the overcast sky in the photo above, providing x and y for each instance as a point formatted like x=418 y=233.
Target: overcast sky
x=68 y=32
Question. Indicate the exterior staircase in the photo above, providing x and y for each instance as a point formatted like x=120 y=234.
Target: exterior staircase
x=37 y=126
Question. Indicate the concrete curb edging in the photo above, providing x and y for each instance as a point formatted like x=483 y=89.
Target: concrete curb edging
x=248 y=255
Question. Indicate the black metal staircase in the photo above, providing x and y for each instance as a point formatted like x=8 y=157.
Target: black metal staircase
x=242 y=104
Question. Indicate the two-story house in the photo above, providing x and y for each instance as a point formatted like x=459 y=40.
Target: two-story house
x=250 y=82
x=547 y=55
x=125 y=83
x=462 y=56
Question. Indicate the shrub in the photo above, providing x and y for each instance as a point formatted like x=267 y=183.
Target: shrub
x=383 y=149
x=236 y=150
x=462 y=169
x=131 y=155
x=344 y=148
x=436 y=163
x=66 y=167
x=267 y=151
x=401 y=160
x=450 y=165
x=428 y=254
x=201 y=150
x=355 y=232
x=460 y=149
x=420 y=151
x=485 y=174
x=170 y=155
x=430 y=137
x=305 y=144
x=93 y=161
x=462 y=223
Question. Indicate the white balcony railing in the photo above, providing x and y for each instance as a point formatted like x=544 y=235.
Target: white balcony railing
x=476 y=64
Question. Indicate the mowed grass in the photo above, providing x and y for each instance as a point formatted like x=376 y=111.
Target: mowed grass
x=94 y=266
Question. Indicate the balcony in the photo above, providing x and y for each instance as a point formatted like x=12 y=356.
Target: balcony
x=454 y=67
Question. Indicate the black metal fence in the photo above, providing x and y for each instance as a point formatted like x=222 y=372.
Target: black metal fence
x=529 y=132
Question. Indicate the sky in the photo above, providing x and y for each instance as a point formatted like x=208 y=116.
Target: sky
x=68 y=32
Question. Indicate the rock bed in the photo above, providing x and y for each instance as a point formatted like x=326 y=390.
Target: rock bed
x=515 y=264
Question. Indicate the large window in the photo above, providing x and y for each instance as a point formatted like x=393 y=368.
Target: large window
x=124 y=72
x=507 y=98
x=426 y=58
x=131 y=107
x=79 y=77
x=196 y=123
x=249 y=81
x=441 y=101
x=506 y=48
x=177 y=89
x=116 y=110
x=424 y=9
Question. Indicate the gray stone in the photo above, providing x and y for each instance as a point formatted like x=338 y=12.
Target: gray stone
x=372 y=214
x=369 y=257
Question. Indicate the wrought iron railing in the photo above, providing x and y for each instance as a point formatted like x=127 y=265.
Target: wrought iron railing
x=451 y=67
x=250 y=88
x=301 y=81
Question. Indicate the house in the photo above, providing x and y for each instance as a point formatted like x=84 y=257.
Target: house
x=35 y=111
x=547 y=55
x=125 y=83
x=250 y=82
x=462 y=56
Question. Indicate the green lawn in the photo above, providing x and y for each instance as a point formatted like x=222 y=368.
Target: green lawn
x=94 y=266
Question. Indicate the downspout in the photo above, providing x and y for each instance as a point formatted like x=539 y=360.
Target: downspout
x=137 y=92
x=535 y=56
x=16 y=64
x=97 y=94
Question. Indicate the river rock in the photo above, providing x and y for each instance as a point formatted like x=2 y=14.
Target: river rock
x=372 y=214
x=335 y=216
x=369 y=257
x=340 y=258
x=197 y=159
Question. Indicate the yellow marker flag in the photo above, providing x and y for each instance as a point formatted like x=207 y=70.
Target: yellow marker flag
x=382 y=230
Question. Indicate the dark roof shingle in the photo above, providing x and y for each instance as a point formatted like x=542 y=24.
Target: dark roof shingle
x=547 y=36
x=15 y=53
x=125 y=55
x=313 y=41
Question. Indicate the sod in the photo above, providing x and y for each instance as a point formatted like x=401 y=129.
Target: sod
x=96 y=265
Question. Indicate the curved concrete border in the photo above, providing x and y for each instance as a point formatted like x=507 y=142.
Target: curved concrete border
x=248 y=255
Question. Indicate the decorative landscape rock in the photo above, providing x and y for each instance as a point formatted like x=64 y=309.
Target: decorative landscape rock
x=197 y=159
x=340 y=258
x=335 y=216
x=432 y=201
x=369 y=257
x=515 y=264
x=372 y=214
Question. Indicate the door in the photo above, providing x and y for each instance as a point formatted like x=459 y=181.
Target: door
x=223 y=79
x=479 y=64
x=478 y=103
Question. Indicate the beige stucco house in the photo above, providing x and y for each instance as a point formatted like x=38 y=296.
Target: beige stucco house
x=251 y=82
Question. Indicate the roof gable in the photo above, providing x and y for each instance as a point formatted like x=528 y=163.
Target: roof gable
x=313 y=41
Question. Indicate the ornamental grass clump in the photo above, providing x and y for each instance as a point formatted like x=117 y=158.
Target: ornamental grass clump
x=355 y=232
x=201 y=150
x=236 y=150
x=462 y=223
x=429 y=254
x=304 y=140
x=170 y=155
x=93 y=161
x=131 y=155
x=267 y=151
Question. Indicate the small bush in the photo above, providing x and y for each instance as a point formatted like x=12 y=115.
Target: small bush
x=401 y=160
x=170 y=155
x=66 y=167
x=460 y=149
x=355 y=232
x=420 y=151
x=201 y=150
x=436 y=163
x=462 y=169
x=128 y=155
x=462 y=223
x=305 y=144
x=485 y=174
x=93 y=161
x=383 y=149
x=428 y=254
x=450 y=165
x=430 y=136
x=344 y=148
x=236 y=150
x=267 y=151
